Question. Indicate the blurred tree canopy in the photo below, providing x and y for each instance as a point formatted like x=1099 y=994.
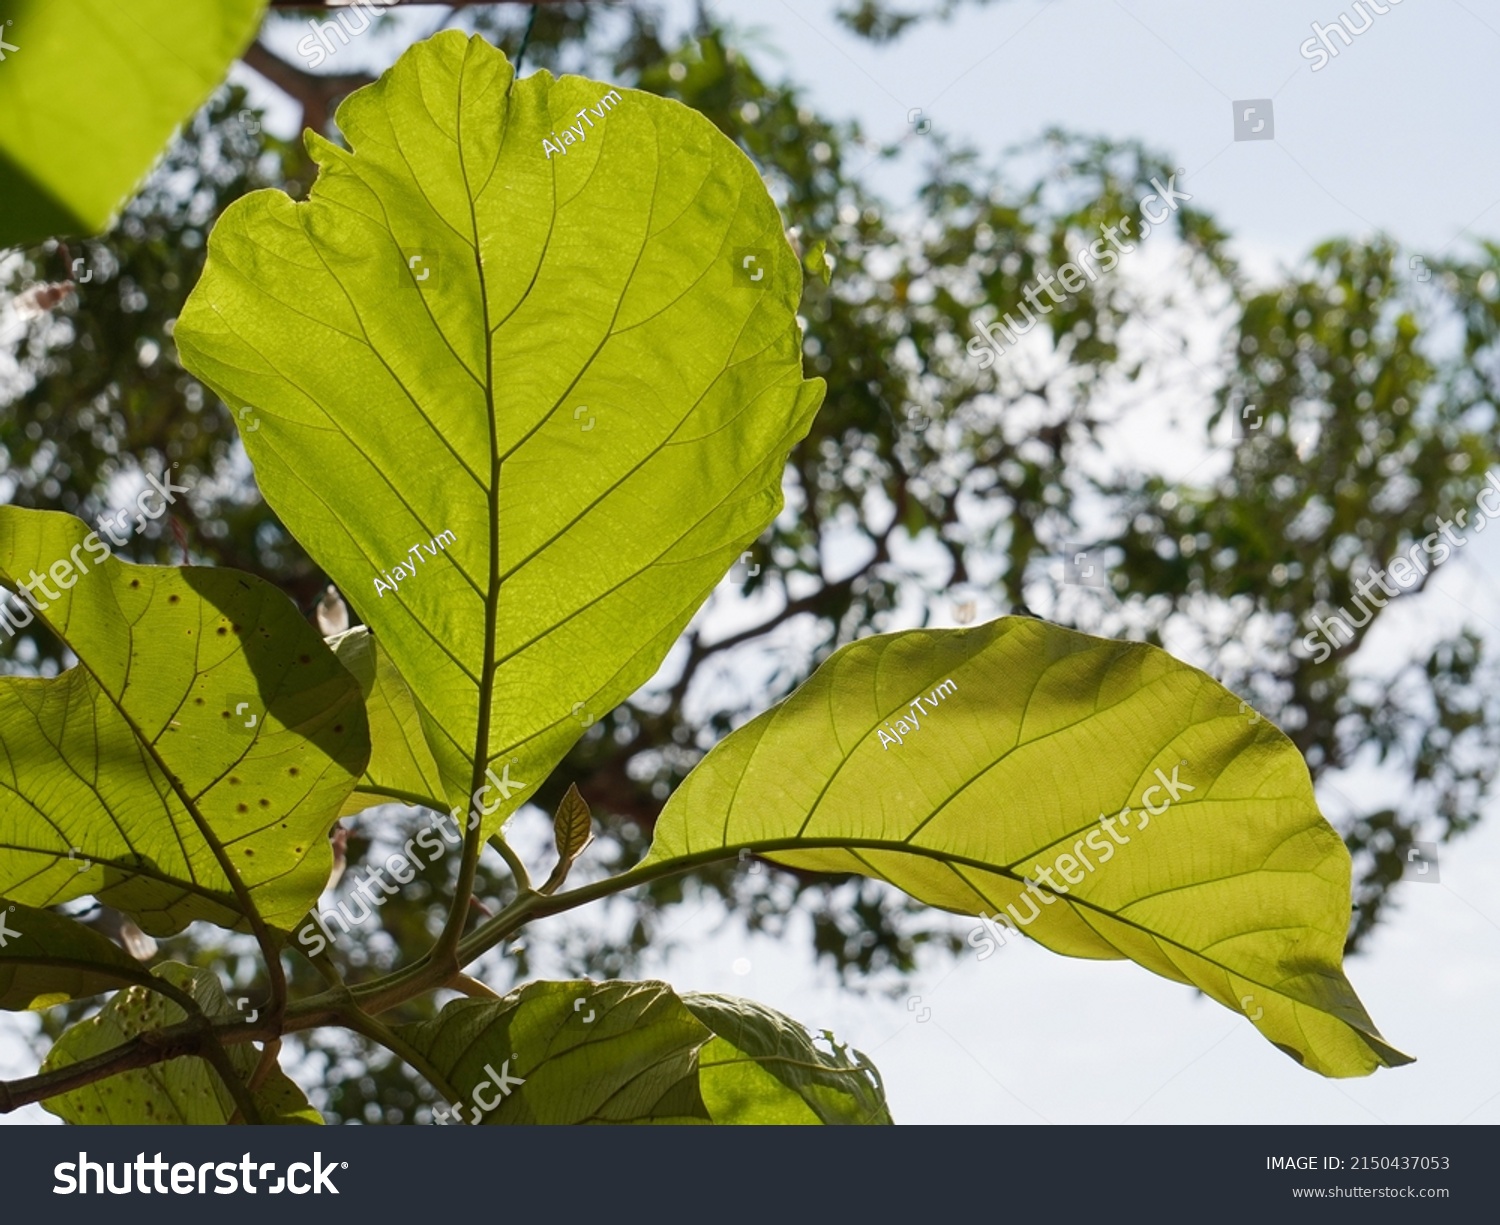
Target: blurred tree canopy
x=928 y=490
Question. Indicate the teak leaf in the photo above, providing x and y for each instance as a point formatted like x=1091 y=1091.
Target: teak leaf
x=205 y=730
x=557 y=398
x=401 y=766
x=620 y=1052
x=763 y=1067
x=990 y=771
x=182 y=1090
x=48 y=958
x=91 y=92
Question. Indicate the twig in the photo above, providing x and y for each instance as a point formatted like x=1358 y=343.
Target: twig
x=270 y=1056
x=513 y=862
x=244 y=1101
x=472 y=987
x=375 y=1031
x=525 y=39
x=156 y=1046
x=316 y=92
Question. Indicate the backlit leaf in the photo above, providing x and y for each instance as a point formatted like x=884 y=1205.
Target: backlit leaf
x=544 y=333
x=182 y=1090
x=572 y=830
x=205 y=729
x=763 y=1067
x=618 y=1052
x=401 y=768
x=987 y=770
x=47 y=958
x=90 y=93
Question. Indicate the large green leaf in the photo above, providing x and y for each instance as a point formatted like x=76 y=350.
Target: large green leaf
x=623 y=1054
x=763 y=1067
x=401 y=768
x=616 y=1052
x=182 y=1090
x=47 y=958
x=556 y=388
x=90 y=93
x=962 y=764
x=205 y=729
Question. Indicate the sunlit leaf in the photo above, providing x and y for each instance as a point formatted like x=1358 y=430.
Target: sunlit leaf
x=763 y=1067
x=617 y=1052
x=988 y=771
x=401 y=767
x=584 y=1052
x=182 y=1090
x=524 y=401
x=205 y=729
x=90 y=93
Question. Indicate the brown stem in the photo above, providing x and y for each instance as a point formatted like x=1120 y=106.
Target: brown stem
x=269 y=1057
x=698 y=652
x=317 y=93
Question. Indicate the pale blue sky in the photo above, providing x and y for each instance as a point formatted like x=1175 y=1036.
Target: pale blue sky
x=1391 y=135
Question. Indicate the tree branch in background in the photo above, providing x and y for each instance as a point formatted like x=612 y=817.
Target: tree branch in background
x=318 y=94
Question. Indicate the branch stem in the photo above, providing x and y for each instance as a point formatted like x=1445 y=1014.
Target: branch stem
x=383 y=1035
x=244 y=1101
x=513 y=862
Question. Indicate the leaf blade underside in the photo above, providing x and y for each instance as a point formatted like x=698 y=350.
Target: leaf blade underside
x=547 y=358
x=133 y=776
x=1239 y=887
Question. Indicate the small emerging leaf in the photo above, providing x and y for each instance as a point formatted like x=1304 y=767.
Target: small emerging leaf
x=573 y=830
